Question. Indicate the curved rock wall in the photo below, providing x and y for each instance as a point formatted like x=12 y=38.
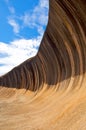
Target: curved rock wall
x=62 y=53
x=58 y=71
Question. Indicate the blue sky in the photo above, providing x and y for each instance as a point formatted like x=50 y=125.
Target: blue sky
x=22 y=24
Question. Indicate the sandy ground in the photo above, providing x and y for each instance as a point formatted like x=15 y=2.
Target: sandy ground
x=48 y=109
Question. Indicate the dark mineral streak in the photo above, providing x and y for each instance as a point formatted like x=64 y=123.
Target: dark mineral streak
x=62 y=53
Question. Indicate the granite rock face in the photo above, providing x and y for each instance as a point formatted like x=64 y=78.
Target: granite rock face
x=62 y=53
x=58 y=71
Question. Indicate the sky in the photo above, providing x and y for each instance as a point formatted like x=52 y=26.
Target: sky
x=22 y=25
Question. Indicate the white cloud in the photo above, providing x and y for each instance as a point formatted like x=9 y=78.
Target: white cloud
x=4 y=69
x=44 y=3
x=11 y=9
x=38 y=16
x=35 y=18
x=16 y=52
x=14 y=24
x=40 y=30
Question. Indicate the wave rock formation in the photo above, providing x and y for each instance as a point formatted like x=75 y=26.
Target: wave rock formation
x=48 y=91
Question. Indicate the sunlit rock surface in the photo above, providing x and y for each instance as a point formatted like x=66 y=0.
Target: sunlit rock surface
x=48 y=91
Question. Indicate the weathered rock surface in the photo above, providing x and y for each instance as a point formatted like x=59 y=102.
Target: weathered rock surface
x=58 y=71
